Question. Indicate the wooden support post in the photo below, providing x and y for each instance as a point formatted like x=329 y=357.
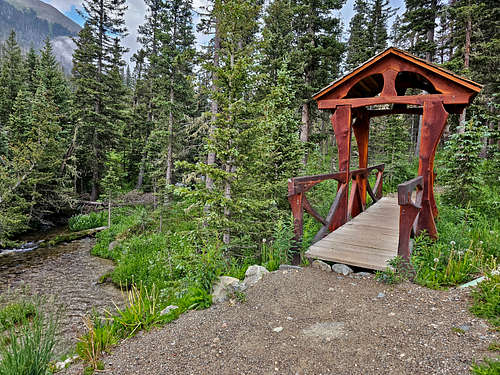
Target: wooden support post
x=361 y=131
x=297 y=205
x=341 y=122
x=433 y=124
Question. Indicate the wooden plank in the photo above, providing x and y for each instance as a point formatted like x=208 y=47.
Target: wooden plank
x=369 y=240
x=374 y=261
x=386 y=246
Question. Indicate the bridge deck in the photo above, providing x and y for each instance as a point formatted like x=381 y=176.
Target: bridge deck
x=369 y=240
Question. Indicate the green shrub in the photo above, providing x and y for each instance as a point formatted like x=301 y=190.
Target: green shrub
x=141 y=311
x=15 y=313
x=100 y=337
x=30 y=347
x=88 y=221
x=468 y=246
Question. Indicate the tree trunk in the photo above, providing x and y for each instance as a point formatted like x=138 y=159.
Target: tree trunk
x=95 y=168
x=109 y=212
x=305 y=127
x=168 y=176
x=468 y=31
x=429 y=55
x=214 y=108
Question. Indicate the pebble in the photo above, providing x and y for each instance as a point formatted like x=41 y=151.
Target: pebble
x=319 y=264
x=381 y=295
x=278 y=329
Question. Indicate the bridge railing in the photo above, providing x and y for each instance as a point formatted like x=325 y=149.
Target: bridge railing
x=347 y=204
x=410 y=195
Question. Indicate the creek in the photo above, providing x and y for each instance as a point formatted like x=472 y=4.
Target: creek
x=66 y=274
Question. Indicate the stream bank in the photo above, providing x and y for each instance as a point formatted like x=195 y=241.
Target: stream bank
x=66 y=273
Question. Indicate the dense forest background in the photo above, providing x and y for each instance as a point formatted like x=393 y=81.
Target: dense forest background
x=223 y=129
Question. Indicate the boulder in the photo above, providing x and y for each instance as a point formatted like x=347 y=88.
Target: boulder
x=253 y=275
x=225 y=287
x=342 y=269
x=113 y=244
x=319 y=264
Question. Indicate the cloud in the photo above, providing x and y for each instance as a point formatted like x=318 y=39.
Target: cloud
x=64 y=5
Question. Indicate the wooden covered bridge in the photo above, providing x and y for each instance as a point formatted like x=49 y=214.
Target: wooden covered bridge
x=353 y=233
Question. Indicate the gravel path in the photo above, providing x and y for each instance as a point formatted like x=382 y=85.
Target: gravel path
x=329 y=325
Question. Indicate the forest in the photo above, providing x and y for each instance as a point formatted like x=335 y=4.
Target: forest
x=208 y=135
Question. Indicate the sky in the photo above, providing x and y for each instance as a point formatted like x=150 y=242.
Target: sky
x=137 y=10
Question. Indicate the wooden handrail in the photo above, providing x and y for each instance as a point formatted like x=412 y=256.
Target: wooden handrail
x=345 y=205
x=408 y=213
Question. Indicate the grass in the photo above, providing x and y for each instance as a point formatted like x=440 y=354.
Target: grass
x=487 y=300
x=88 y=221
x=29 y=338
x=489 y=367
x=16 y=313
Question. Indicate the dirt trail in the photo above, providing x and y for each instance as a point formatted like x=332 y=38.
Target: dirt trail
x=329 y=325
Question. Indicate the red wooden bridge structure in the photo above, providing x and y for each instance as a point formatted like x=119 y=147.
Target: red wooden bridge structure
x=353 y=233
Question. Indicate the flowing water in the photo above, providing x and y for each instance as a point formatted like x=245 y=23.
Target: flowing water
x=66 y=274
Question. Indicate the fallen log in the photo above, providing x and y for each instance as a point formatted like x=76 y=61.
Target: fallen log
x=67 y=237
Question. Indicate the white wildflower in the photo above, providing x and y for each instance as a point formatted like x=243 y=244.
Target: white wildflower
x=480 y=242
x=452 y=243
x=263 y=240
x=436 y=260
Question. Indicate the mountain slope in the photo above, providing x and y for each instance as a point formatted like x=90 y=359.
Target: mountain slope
x=33 y=21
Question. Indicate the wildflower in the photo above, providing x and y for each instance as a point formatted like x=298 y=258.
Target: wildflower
x=480 y=242
x=452 y=243
x=436 y=260
x=263 y=240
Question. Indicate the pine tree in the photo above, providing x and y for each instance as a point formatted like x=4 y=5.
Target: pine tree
x=12 y=76
x=318 y=50
x=358 y=45
x=380 y=13
x=419 y=24
x=97 y=52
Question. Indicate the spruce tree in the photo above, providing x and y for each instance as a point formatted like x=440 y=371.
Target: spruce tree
x=12 y=76
x=97 y=51
x=358 y=45
x=419 y=24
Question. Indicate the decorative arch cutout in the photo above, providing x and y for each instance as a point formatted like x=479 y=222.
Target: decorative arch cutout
x=367 y=87
x=407 y=79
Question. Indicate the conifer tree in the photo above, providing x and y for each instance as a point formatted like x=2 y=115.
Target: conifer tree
x=358 y=45
x=12 y=76
x=419 y=24
x=97 y=51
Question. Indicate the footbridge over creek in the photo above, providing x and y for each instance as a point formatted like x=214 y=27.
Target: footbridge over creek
x=393 y=82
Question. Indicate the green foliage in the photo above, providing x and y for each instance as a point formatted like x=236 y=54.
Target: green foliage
x=277 y=251
x=87 y=221
x=489 y=367
x=101 y=335
x=30 y=346
x=142 y=309
x=487 y=299
x=398 y=272
x=467 y=246
x=17 y=312
x=461 y=172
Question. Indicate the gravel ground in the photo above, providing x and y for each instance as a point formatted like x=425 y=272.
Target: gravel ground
x=329 y=325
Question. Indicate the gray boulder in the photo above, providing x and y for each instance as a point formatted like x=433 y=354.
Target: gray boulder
x=342 y=269
x=225 y=287
x=167 y=309
x=319 y=264
x=253 y=275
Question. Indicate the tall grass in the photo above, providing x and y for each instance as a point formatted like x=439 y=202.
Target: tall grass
x=29 y=347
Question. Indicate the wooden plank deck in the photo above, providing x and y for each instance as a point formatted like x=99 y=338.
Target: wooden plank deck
x=369 y=240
